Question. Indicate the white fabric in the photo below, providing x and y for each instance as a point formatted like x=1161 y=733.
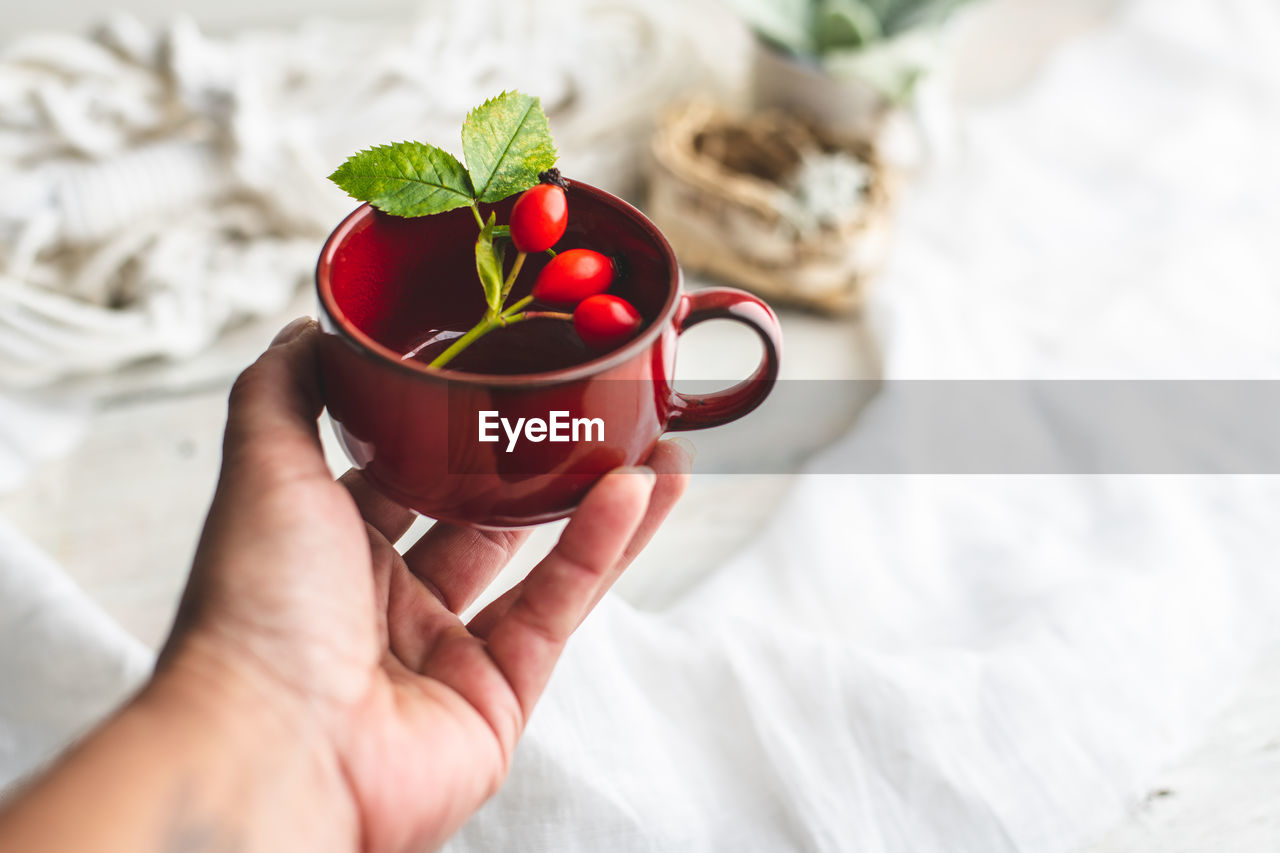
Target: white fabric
x=64 y=663
x=975 y=663
x=950 y=664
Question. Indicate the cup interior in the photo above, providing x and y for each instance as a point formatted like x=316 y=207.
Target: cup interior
x=386 y=279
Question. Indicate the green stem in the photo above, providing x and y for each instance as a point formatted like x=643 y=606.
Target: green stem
x=489 y=323
x=516 y=306
x=476 y=332
x=502 y=317
x=537 y=315
x=511 y=276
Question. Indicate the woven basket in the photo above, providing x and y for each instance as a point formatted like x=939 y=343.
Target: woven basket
x=715 y=191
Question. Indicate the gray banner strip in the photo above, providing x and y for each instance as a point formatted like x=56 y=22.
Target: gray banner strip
x=1184 y=427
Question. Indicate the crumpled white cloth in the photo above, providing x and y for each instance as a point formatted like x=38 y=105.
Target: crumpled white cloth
x=160 y=184
x=64 y=663
x=975 y=663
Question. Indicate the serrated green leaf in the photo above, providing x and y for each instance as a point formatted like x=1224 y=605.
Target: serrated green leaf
x=489 y=265
x=507 y=143
x=406 y=179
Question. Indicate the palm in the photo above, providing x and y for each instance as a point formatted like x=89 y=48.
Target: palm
x=421 y=711
x=431 y=736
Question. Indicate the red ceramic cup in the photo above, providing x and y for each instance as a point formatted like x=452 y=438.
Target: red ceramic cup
x=415 y=432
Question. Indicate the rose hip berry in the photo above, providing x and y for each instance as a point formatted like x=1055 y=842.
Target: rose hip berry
x=539 y=217
x=605 y=320
x=572 y=276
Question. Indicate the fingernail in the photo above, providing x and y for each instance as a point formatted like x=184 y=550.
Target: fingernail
x=650 y=476
x=689 y=448
x=291 y=331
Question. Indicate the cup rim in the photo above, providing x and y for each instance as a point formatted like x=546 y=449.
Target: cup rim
x=371 y=348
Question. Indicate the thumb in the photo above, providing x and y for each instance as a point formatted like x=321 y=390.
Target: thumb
x=273 y=407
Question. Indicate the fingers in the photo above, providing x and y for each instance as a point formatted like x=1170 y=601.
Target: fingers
x=384 y=561
x=527 y=640
x=482 y=624
x=272 y=410
x=457 y=563
x=383 y=514
x=671 y=460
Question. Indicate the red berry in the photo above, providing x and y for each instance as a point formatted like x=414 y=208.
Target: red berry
x=605 y=320
x=572 y=276
x=539 y=217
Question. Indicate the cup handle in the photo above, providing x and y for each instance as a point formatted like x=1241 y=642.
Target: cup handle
x=699 y=411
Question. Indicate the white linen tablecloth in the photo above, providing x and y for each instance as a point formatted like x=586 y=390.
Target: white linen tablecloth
x=975 y=663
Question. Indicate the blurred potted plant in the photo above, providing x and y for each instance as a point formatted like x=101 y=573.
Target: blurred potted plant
x=795 y=200
x=846 y=65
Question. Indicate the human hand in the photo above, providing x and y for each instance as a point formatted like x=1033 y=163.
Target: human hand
x=300 y=611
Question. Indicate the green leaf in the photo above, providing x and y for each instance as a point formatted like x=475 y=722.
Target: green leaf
x=883 y=8
x=406 y=179
x=892 y=66
x=489 y=265
x=845 y=24
x=786 y=24
x=507 y=143
x=914 y=14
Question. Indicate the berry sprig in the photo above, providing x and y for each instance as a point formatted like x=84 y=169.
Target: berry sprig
x=508 y=149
